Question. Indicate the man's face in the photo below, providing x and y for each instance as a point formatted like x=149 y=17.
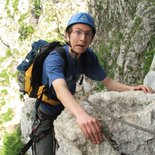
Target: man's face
x=80 y=37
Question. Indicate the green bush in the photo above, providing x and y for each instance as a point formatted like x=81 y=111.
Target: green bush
x=37 y=8
x=4 y=78
x=12 y=144
x=2 y=103
x=25 y=31
x=7 y=116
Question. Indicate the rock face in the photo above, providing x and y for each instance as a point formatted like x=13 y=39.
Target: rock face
x=27 y=119
x=125 y=37
x=149 y=79
x=27 y=115
x=134 y=107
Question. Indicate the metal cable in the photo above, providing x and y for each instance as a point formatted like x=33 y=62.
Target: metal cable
x=121 y=120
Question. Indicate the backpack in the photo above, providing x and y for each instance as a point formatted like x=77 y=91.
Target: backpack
x=30 y=71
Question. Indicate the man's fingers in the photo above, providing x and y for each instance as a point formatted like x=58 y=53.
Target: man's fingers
x=143 y=88
x=92 y=131
x=99 y=131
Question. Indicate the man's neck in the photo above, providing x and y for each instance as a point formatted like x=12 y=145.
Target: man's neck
x=73 y=54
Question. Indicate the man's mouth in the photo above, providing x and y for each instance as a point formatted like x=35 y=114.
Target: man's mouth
x=80 y=46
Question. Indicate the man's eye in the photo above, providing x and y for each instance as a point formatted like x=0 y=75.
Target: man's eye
x=78 y=32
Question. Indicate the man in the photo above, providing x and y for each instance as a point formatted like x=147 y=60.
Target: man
x=79 y=35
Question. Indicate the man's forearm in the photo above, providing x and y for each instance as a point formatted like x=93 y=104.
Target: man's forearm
x=113 y=85
x=66 y=98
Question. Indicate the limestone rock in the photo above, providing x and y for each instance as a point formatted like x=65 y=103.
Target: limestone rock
x=27 y=118
x=135 y=107
x=149 y=79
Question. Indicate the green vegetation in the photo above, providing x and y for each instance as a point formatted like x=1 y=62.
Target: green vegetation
x=7 y=74
x=99 y=87
x=151 y=1
x=7 y=116
x=106 y=59
x=14 y=4
x=4 y=77
x=100 y=6
x=25 y=31
x=8 y=53
x=138 y=21
x=12 y=143
x=148 y=55
x=7 y=8
x=4 y=93
x=22 y=18
x=2 y=103
x=2 y=59
x=37 y=8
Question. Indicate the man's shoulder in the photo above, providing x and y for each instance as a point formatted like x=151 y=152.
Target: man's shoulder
x=89 y=53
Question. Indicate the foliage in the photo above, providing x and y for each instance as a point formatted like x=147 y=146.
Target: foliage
x=37 y=8
x=4 y=77
x=99 y=87
x=148 y=55
x=105 y=59
x=7 y=8
x=2 y=103
x=8 y=53
x=14 y=4
x=25 y=31
x=4 y=93
x=7 y=116
x=148 y=60
x=22 y=18
x=12 y=143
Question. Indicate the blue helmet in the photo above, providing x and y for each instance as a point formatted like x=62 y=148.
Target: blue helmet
x=82 y=18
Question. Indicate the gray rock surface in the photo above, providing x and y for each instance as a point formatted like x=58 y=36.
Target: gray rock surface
x=134 y=107
x=149 y=79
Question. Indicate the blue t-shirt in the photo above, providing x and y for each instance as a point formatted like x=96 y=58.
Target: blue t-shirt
x=53 y=68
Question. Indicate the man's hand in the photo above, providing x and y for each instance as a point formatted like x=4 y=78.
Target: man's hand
x=91 y=128
x=143 y=88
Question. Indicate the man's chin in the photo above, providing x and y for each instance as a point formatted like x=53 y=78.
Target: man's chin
x=80 y=51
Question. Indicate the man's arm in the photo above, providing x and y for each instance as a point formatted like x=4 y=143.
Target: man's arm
x=113 y=85
x=90 y=126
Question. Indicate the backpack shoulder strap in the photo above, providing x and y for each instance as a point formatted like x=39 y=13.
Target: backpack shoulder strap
x=63 y=54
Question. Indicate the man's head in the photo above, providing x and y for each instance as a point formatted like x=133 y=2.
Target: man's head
x=81 y=18
x=80 y=31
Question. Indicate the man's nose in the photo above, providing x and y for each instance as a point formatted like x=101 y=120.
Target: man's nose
x=83 y=36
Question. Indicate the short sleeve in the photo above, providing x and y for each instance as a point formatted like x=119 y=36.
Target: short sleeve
x=92 y=68
x=53 y=68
